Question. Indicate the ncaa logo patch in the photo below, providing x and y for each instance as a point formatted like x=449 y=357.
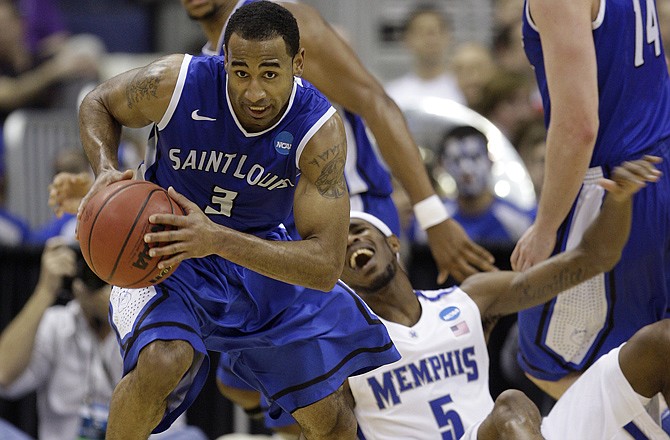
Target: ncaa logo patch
x=283 y=143
x=450 y=313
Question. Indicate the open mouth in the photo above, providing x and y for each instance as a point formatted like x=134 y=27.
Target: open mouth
x=360 y=257
x=258 y=111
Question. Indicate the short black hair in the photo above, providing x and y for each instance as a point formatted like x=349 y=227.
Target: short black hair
x=459 y=132
x=264 y=20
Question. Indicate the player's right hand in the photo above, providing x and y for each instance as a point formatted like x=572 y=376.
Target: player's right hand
x=104 y=178
x=455 y=253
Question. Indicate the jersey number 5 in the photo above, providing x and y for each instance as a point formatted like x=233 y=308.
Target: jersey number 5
x=653 y=35
x=447 y=418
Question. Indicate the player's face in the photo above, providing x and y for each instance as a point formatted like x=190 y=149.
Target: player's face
x=467 y=161
x=370 y=259
x=202 y=9
x=260 y=80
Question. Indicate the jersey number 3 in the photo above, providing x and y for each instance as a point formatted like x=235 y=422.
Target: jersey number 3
x=653 y=34
x=447 y=418
x=224 y=199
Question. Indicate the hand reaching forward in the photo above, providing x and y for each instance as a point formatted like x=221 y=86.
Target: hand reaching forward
x=629 y=177
x=455 y=253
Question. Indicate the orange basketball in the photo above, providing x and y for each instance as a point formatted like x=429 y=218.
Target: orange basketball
x=111 y=232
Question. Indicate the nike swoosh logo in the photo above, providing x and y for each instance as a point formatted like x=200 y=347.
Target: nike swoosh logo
x=197 y=117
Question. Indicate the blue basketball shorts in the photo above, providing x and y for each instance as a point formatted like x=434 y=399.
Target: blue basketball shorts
x=295 y=345
x=580 y=325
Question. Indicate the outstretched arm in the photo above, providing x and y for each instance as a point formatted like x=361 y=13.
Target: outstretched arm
x=333 y=67
x=321 y=209
x=507 y=292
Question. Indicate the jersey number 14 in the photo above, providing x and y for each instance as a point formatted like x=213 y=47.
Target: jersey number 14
x=653 y=34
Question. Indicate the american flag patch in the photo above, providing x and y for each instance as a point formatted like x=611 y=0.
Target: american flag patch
x=460 y=329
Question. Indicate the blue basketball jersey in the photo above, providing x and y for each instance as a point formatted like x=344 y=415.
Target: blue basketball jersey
x=365 y=171
x=570 y=332
x=242 y=180
x=633 y=84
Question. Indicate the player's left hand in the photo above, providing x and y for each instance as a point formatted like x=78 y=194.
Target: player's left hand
x=629 y=177
x=455 y=253
x=193 y=237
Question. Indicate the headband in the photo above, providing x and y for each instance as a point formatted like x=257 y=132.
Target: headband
x=374 y=221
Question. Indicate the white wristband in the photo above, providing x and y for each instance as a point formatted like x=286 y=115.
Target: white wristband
x=430 y=212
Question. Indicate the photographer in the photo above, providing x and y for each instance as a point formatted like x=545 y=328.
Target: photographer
x=67 y=354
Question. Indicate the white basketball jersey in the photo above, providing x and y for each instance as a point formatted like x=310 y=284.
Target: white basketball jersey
x=440 y=387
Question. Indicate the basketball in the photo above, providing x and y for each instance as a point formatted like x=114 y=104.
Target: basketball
x=111 y=232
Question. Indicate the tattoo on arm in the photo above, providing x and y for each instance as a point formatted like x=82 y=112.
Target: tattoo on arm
x=330 y=182
x=141 y=88
x=566 y=278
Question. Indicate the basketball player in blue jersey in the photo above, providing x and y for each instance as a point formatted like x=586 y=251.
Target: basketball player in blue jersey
x=440 y=386
x=239 y=144
x=601 y=70
x=333 y=67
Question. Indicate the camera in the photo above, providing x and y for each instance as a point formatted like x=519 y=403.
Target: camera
x=84 y=273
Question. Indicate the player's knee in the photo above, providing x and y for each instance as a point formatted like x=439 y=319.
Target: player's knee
x=512 y=407
x=655 y=338
x=162 y=364
x=330 y=418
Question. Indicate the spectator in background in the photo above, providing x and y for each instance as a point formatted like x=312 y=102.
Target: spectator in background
x=427 y=37
x=489 y=220
x=506 y=12
x=27 y=80
x=67 y=354
x=473 y=66
x=45 y=31
x=531 y=145
x=508 y=51
x=508 y=48
x=72 y=161
x=506 y=101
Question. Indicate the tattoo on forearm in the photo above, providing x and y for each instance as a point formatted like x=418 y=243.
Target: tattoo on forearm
x=330 y=182
x=563 y=280
x=141 y=88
